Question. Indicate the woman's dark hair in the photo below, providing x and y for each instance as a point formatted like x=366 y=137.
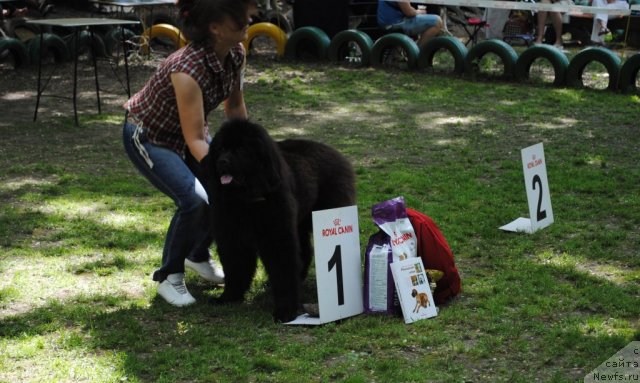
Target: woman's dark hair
x=197 y=15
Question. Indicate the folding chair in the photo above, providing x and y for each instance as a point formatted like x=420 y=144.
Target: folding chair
x=477 y=24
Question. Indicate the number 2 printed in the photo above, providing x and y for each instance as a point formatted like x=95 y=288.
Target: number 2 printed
x=540 y=214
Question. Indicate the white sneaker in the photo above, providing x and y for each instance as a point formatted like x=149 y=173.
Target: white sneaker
x=207 y=270
x=174 y=291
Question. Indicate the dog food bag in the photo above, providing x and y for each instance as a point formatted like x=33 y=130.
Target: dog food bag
x=395 y=241
x=378 y=285
x=391 y=217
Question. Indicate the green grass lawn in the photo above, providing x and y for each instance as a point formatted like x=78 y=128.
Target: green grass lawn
x=81 y=232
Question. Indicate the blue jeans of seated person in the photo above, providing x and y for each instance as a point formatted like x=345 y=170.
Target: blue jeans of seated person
x=189 y=231
x=413 y=26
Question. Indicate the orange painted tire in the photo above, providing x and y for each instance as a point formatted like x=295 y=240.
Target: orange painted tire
x=270 y=30
x=167 y=31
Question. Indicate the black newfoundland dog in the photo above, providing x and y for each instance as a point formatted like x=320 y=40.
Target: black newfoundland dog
x=263 y=193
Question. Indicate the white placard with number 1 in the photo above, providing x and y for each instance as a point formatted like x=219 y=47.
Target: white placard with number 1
x=336 y=242
x=536 y=184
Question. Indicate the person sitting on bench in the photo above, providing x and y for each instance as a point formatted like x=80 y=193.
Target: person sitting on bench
x=600 y=19
x=556 y=22
x=401 y=16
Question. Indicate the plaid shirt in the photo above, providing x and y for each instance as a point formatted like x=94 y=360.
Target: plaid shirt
x=155 y=106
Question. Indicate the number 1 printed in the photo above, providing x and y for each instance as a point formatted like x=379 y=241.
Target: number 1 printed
x=336 y=260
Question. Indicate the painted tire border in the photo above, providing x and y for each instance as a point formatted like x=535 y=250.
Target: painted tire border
x=163 y=30
x=507 y=55
x=315 y=35
x=454 y=46
x=84 y=44
x=113 y=38
x=270 y=30
x=395 y=39
x=552 y=54
x=629 y=73
x=17 y=49
x=342 y=39
x=51 y=42
x=602 y=55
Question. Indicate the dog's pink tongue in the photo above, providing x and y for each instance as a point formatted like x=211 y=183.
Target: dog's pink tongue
x=226 y=179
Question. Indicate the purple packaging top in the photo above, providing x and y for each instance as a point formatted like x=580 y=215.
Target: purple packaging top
x=388 y=211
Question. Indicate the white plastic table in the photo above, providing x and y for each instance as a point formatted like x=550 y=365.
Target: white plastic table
x=76 y=24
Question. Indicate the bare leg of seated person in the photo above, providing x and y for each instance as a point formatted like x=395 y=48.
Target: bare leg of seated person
x=429 y=33
x=556 y=22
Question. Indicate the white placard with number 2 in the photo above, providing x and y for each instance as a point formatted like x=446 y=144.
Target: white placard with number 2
x=536 y=184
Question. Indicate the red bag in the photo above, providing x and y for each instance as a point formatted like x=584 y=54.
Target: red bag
x=436 y=254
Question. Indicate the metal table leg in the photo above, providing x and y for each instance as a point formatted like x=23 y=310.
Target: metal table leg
x=95 y=69
x=126 y=60
x=75 y=74
x=39 y=92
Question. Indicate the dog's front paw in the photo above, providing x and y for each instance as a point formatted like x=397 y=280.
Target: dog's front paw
x=285 y=314
x=226 y=298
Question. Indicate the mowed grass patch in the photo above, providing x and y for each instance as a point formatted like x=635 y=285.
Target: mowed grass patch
x=81 y=232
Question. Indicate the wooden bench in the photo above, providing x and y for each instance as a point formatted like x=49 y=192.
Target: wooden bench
x=583 y=22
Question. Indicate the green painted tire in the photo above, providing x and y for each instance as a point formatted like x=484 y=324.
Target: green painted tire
x=391 y=40
x=52 y=44
x=113 y=39
x=552 y=54
x=504 y=51
x=342 y=43
x=451 y=44
x=305 y=42
x=22 y=30
x=85 y=44
x=602 y=55
x=629 y=74
x=16 y=49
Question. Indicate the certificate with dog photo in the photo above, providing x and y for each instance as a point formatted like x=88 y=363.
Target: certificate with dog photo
x=412 y=286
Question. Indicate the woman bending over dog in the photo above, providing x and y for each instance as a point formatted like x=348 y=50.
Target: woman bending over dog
x=166 y=131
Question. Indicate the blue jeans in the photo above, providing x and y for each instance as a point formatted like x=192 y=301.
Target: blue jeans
x=413 y=26
x=189 y=233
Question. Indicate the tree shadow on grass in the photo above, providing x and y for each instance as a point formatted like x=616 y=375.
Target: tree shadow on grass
x=205 y=342
x=157 y=341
